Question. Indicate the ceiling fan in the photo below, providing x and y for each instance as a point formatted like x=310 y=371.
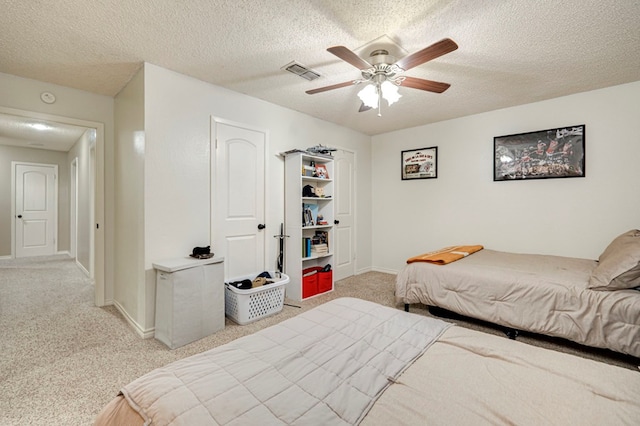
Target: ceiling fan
x=381 y=73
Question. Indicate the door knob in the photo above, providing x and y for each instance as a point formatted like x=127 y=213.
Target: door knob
x=19 y=216
x=261 y=226
x=337 y=222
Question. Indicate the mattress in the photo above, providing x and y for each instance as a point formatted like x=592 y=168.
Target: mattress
x=468 y=377
x=537 y=293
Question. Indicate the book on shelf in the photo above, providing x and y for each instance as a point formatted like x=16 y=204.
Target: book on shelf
x=321 y=237
x=309 y=214
x=306 y=247
x=319 y=249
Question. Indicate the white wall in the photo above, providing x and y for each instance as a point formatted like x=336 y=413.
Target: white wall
x=82 y=151
x=177 y=193
x=574 y=217
x=129 y=202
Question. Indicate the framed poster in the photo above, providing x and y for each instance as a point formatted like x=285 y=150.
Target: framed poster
x=553 y=153
x=420 y=163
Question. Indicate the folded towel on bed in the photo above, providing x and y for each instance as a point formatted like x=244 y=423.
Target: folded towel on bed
x=446 y=255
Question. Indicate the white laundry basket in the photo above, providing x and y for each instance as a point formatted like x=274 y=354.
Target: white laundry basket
x=247 y=306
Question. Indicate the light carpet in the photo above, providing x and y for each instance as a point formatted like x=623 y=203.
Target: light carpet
x=62 y=359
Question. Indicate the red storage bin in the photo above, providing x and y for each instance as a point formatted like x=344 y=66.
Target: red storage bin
x=316 y=281
x=325 y=281
x=310 y=283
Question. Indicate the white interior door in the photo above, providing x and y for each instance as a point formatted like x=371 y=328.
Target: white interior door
x=239 y=187
x=344 y=170
x=35 y=209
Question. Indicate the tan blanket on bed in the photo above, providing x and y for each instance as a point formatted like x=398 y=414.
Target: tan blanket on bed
x=446 y=255
x=326 y=366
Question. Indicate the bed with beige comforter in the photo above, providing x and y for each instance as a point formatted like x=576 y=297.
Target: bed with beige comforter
x=406 y=369
x=595 y=303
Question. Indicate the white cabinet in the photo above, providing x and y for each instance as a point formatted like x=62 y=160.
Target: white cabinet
x=309 y=220
x=189 y=299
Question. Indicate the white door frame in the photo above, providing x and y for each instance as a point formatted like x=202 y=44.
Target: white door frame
x=214 y=200
x=14 y=166
x=73 y=208
x=98 y=246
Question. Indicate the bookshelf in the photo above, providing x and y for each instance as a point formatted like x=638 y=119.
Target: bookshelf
x=309 y=220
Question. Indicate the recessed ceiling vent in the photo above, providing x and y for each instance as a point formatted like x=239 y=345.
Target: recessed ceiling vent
x=301 y=70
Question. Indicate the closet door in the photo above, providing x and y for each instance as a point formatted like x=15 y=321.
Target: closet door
x=344 y=166
x=35 y=209
x=238 y=222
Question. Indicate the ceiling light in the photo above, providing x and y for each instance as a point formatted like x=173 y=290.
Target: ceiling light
x=369 y=95
x=372 y=94
x=39 y=126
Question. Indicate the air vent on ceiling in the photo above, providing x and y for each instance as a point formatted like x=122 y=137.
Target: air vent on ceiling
x=301 y=70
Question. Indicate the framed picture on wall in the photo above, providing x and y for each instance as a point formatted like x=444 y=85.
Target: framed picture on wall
x=544 y=154
x=420 y=163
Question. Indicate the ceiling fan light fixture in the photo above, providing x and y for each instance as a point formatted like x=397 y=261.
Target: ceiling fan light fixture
x=372 y=93
x=390 y=92
x=369 y=95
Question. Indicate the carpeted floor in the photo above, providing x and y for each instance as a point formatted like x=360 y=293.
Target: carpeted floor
x=62 y=359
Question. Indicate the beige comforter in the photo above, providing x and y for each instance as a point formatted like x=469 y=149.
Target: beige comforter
x=542 y=294
x=471 y=378
x=326 y=366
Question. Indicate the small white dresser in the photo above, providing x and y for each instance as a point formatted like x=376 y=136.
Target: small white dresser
x=189 y=299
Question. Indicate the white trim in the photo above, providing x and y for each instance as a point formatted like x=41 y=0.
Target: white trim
x=82 y=268
x=73 y=208
x=386 y=271
x=145 y=334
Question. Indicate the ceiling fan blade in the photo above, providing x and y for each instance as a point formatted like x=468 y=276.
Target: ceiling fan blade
x=428 y=85
x=333 y=86
x=440 y=48
x=350 y=57
x=364 y=108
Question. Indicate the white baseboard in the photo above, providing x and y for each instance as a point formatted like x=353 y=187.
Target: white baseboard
x=386 y=271
x=6 y=257
x=82 y=268
x=145 y=334
x=362 y=271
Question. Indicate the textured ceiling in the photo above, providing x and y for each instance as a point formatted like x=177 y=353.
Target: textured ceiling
x=511 y=52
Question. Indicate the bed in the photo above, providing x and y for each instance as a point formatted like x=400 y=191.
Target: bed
x=351 y=361
x=594 y=303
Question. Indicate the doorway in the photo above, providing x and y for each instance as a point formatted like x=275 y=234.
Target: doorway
x=93 y=181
